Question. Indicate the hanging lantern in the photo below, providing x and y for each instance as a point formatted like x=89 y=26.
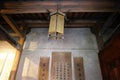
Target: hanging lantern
x=56 y=26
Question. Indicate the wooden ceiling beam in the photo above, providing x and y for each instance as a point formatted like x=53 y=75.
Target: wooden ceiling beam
x=4 y=35
x=71 y=6
x=14 y=34
x=12 y=25
x=45 y=24
x=108 y=23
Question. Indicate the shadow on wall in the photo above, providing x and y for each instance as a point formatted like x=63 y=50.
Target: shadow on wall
x=29 y=71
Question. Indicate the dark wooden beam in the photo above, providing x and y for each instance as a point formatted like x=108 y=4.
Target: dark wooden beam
x=12 y=25
x=72 y=24
x=4 y=35
x=14 y=34
x=110 y=35
x=45 y=24
x=71 y=6
x=108 y=23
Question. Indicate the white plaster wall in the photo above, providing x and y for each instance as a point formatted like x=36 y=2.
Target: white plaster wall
x=7 y=55
x=78 y=41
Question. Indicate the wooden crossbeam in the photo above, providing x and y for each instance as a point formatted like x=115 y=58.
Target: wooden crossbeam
x=45 y=24
x=13 y=34
x=5 y=36
x=72 y=6
x=72 y=24
x=12 y=25
x=108 y=23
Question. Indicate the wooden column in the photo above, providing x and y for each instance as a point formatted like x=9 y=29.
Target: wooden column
x=95 y=30
x=110 y=59
x=16 y=61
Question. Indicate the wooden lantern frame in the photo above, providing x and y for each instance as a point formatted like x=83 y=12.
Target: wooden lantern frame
x=56 y=26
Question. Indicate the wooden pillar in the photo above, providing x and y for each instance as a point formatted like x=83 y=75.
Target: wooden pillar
x=95 y=30
x=16 y=61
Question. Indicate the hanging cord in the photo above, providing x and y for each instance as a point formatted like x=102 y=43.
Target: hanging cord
x=58 y=5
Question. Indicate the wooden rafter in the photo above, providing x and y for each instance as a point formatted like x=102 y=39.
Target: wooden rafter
x=108 y=23
x=110 y=35
x=12 y=25
x=72 y=6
